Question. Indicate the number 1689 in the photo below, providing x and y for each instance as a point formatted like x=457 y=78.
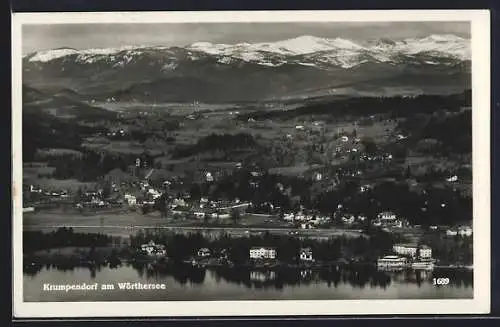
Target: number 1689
x=440 y=281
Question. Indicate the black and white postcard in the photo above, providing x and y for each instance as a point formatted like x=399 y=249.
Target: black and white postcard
x=251 y=163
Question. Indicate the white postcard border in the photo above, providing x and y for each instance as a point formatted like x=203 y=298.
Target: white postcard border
x=480 y=33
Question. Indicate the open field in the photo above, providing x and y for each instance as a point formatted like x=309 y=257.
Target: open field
x=125 y=224
x=292 y=170
x=71 y=185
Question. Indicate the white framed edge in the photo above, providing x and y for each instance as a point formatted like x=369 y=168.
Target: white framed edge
x=480 y=304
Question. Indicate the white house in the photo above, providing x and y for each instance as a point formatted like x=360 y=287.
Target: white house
x=344 y=138
x=199 y=214
x=397 y=223
x=451 y=232
x=411 y=250
x=34 y=189
x=348 y=219
x=306 y=225
x=262 y=253
x=154 y=193
x=300 y=217
x=405 y=249
x=289 y=216
x=209 y=177
x=131 y=199
x=465 y=231
x=224 y=216
x=365 y=188
x=320 y=220
x=452 y=179
x=306 y=254
x=425 y=252
x=203 y=252
x=387 y=216
x=153 y=249
x=362 y=218
x=179 y=202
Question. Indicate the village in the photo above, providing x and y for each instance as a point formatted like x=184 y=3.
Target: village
x=141 y=196
x=349 y=187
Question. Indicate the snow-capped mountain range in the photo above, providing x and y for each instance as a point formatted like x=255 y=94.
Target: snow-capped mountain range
x=305 y=50
x=302 y=66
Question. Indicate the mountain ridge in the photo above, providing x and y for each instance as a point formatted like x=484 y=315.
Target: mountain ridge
x=253 y=71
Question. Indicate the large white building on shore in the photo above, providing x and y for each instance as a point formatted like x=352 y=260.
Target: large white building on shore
x=262 y=253
x=412 y=250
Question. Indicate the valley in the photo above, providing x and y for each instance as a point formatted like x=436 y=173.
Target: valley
x=318 y=141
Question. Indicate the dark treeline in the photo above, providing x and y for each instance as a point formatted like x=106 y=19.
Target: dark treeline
x=42 y=131
x=454 y=132
x=397 y=106
x=435 y=206
x=92 y=165
x=216 y=142
x=451 y=250
x=62 y=237
x=242 y=185
x=451 y=133
x=430 y=206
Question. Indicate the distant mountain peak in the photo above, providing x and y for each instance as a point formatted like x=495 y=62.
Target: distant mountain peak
x=305 y=50
x=443 y=38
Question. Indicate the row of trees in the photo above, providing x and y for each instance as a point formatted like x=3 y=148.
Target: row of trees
x=62 y=237
x=397 y=106
x=181 y=247
x=217 y=142
x=92 y=165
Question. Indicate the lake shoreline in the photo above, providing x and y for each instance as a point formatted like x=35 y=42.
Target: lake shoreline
x=83 y=256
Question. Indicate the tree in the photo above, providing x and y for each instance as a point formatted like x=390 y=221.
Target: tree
x=370 y=146
x=400 y=152
x=408 y=172
x=145 y=209
x=235 y=215
x=161 y=204
x=106 y=190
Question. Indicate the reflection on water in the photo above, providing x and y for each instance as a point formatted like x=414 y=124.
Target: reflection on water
x=234 y=282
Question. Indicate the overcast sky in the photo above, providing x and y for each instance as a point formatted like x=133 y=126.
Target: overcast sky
x=84 y=36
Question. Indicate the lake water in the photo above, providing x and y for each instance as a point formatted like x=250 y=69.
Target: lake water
x=184 y=283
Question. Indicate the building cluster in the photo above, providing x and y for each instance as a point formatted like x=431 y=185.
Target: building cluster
x=255 y=253
x=306 y=220
x=262 y=253
x=62 y=194
x=407 y=256
x=464 y=231
x=205 y=208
